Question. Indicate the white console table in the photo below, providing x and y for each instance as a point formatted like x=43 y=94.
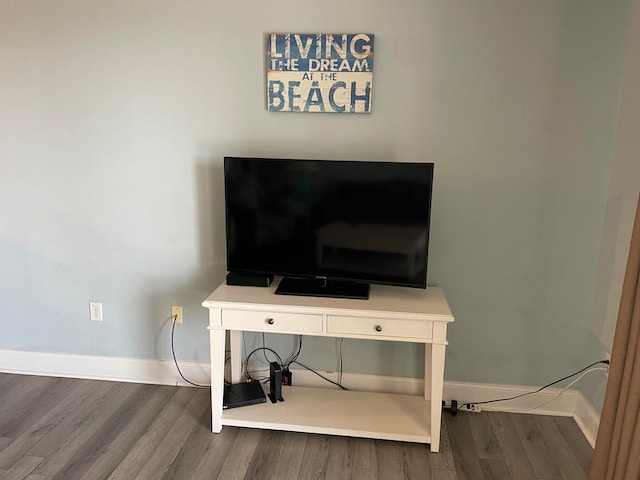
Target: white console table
x=391 y=313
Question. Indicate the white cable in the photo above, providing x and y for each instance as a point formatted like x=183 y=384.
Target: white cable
x=595 y=369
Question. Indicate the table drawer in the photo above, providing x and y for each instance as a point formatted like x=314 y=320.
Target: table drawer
x=271 y=321
x=380 y=327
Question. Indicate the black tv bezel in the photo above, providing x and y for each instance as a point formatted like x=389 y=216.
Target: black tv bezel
x=331 y=285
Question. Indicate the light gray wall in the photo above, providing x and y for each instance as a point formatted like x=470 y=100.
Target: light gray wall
x=115 y=116
x=622 y=201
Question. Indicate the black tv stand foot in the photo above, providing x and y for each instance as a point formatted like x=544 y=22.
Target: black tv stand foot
x=313 y=287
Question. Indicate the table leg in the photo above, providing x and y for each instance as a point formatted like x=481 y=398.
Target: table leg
x=435 y=353
x=235 y=347
x=217 y=337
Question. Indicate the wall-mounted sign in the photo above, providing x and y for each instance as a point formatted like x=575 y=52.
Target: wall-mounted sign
x=319 y=72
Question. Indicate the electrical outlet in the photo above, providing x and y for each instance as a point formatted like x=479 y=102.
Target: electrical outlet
x=95 y=311
x=176 y=313
x=607 y=357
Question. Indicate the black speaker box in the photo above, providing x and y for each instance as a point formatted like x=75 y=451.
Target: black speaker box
x=249 y=280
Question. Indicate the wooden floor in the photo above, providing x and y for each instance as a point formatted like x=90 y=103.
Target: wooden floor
x=57 y=428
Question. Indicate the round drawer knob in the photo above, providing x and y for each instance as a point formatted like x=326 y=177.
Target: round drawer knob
x=270 y=321
x=378 y=328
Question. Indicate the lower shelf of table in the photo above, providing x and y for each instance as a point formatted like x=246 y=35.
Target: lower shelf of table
x=338 y=412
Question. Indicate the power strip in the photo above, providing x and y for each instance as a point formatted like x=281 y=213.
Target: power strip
x=456 y=407
x=469 y=407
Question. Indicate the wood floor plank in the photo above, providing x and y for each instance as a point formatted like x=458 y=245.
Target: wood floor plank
x=67 y=426
x=494 y=469
x=484 y=437
x=214 y=456
x=239 y=457
x=46 y=423
x=21 y=468
x=169 y=448
x=4 y=379
x=290 y=455
x=340 y=458
x=314 y=460
x=56 y=390
x=403 y=460
x=535 y=447
x=19 y=399
x=265 y=457
x=35 y=476
x=85 y=428
x=5 y=442
x=390 y=464
x=365 y=459
x=437 y=474
x=576 y=441
x=185 y=462
x=144 y=447
x=9 y=382
x=416 y=464
x=515 y=457
x=463 y=446
x=442 y=461
x=565 y=459
x=106 y=448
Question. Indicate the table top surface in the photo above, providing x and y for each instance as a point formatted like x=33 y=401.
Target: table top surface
x=429 y=302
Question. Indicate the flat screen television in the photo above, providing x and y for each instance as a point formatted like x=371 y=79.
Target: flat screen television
x=329 y=227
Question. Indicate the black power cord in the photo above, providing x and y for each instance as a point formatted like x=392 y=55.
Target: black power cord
x=457 y=406
x=175 y=360
x=258 y=350
x=321 y=376
x=295 y=356
x=293 y=360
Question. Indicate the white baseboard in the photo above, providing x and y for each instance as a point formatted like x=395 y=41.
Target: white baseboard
x=570 y=403
x=135 y=370
x=587 y=418
x=563 y=405
x=551 y=401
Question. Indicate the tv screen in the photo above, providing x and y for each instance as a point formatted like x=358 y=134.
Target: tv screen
x=329 y=220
